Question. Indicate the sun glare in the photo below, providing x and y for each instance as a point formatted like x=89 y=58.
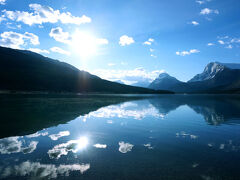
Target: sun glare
x=84 y=44
x=82 y=143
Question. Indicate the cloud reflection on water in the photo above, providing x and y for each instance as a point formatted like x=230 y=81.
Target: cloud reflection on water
x=16 y=145
x=37 y=134
x=62 y=149
x=183 y=134
x=125 y=147
x=38 y=170
x=71 y=146
x=125 y=110
x=101 y=146
x=55 y=137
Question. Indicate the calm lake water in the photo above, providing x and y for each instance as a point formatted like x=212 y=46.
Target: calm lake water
x=164 y=137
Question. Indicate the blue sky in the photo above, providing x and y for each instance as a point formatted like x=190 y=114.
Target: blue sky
x=130 y=40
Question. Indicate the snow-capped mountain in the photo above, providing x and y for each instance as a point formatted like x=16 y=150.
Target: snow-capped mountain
x=164 y=81
x=216 y=78
x=212 y=69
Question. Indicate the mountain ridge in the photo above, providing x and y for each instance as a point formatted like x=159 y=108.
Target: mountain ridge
x=22 y=70
x=164 y=81
x=216 y=78
x=212 y=69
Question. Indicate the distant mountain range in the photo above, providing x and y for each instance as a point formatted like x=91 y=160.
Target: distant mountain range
x=216 y=78
x=27 y=71
x=144 y=84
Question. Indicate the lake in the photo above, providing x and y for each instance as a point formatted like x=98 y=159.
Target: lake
x=168 y=137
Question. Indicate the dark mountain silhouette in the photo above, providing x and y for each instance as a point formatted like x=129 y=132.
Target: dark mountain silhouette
x=28 y=71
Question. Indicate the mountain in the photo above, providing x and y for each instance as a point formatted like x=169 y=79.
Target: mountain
x=143 y=84
x=164 y=82
x=212 y=69
x=28 y=71
x=216 y=78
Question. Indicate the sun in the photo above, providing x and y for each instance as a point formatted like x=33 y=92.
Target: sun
x=84 y=44
x=82 y=143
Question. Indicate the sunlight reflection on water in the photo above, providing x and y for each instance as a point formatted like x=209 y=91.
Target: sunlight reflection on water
x=150 y=135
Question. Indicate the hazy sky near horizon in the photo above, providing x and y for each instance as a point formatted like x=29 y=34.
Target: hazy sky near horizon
x=129 y=40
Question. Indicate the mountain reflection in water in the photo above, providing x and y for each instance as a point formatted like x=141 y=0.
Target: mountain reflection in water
x=120 y=137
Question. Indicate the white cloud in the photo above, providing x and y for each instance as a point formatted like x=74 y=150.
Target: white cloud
x=184 y=53
x=67 y=18
x=45 y=14
x=210 y=44
x=151 y=50
x=126 y=40
x=154 y=56
x=124 y=63
x=222 y=37
x=202 y=1
x=16 y=40
x=229 y=42
x=125 y=147
x=36 y=170
x=195 y=23
x=32 y=37
x=235 y=40
x=60 y=36
x=2 y=2
x=194 y=51
x=101 y=41
x=221 y=42
x=59 y=50
x=101 y=146
x=55 y=137
x=16 y=145
x=79 y=39
x=2 y=19
x=111 y=64
x=207 y=11
x=149 y=41
x=128 y=76
x=36 y=50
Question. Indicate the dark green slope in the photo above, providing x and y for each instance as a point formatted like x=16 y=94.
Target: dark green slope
x=28 y=71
